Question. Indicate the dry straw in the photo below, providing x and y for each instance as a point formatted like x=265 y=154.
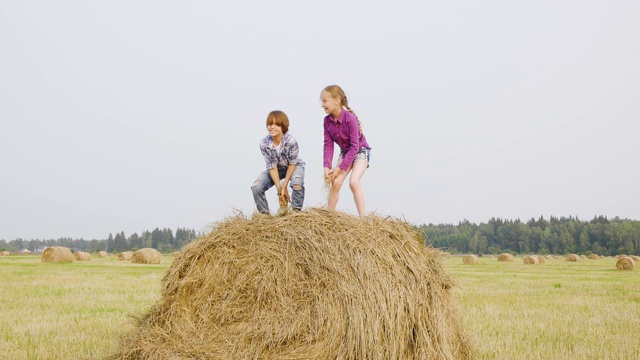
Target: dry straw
x=125 y=255
x=541 y=259
x=82 y=256
x=530 y=260
x=5 y=253
x=625 y=263
x=573 y=258
x=146 y=256
x=470 y=259
x=102 y=254
x=505 y=257
x=56 y=254
x=593 y=257
x=318 y=284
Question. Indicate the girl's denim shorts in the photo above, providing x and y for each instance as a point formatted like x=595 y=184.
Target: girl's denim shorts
x=364 y=154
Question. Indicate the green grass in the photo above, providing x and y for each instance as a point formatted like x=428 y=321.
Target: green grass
x=555 y=310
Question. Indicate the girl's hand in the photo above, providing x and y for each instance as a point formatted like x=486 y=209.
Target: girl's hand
x=335 y=172
x=328 y=174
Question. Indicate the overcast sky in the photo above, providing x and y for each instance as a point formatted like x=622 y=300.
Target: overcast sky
x=130 y=115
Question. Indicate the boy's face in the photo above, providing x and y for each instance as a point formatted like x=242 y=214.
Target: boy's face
x=274 y=130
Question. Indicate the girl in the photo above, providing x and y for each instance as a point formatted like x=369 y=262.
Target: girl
x=343 y=128
x=280 y=151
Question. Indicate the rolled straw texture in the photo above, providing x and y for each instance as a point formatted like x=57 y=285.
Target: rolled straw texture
x=56 y=254
x=625 y=263
x=530 y=260
x=82 y=256
x=573 y=258
x=470 y=259
x=146 y=256
x=125 y=255
x=505 y=257
x=317 y=284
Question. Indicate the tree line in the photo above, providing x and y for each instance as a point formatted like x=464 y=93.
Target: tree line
x=164 y=240
x=564 y=235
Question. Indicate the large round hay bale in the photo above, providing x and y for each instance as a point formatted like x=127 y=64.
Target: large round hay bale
x=530 y=260
x=318 y=284
x=625 y=263
x=593 y=257
x=125 y=255
x=5 y=253
x=541 y=259
x=146 y=256
x=57 y=254
x=470 y=259
x=103 y=254
x=82 y=256
x=505 y=257
x=573 y=258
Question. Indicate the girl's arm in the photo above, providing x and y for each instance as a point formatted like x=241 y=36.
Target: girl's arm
x=328 y=148
x=354 y=142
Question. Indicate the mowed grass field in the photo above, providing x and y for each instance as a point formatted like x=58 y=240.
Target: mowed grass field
x=555 y=310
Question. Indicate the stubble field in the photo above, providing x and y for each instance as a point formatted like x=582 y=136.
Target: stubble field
x=554 y=310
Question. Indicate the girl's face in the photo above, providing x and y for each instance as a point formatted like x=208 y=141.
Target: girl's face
x=274 y=130
x=330 y=104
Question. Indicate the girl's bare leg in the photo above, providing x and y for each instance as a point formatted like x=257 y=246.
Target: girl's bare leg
x=334 y=192
x=358 y=169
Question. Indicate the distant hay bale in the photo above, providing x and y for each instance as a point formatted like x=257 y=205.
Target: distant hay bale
x=573 y=258
x=470 y=259
x=558 y=257
x=82 y=256
x=625 y=263
x=635 y=258
x=146 y=256
x=102 y=254
x=530 y=260
x=317 y=284
x=505 y=257
x=621 y=256
x=125 y=255
x=549 y=257
x=57 y=254
x=583 y=257
x=593 y=257
x=541 y=259
x=5 y=253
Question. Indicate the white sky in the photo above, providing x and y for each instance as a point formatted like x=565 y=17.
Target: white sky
x=130 y=115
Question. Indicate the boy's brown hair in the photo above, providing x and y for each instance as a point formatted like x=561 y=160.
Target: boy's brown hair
x=279 y=118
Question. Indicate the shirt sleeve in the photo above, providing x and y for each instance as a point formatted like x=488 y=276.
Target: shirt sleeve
x=354 y=142
x=293 y=150
x=328 y=147
x=268 y=159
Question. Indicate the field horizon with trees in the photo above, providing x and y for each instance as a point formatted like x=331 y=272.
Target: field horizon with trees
x=557 y=235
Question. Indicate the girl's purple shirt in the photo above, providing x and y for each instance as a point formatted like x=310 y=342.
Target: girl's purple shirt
x=346 y=133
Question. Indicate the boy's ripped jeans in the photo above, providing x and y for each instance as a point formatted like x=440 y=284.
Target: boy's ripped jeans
x=264 y=183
